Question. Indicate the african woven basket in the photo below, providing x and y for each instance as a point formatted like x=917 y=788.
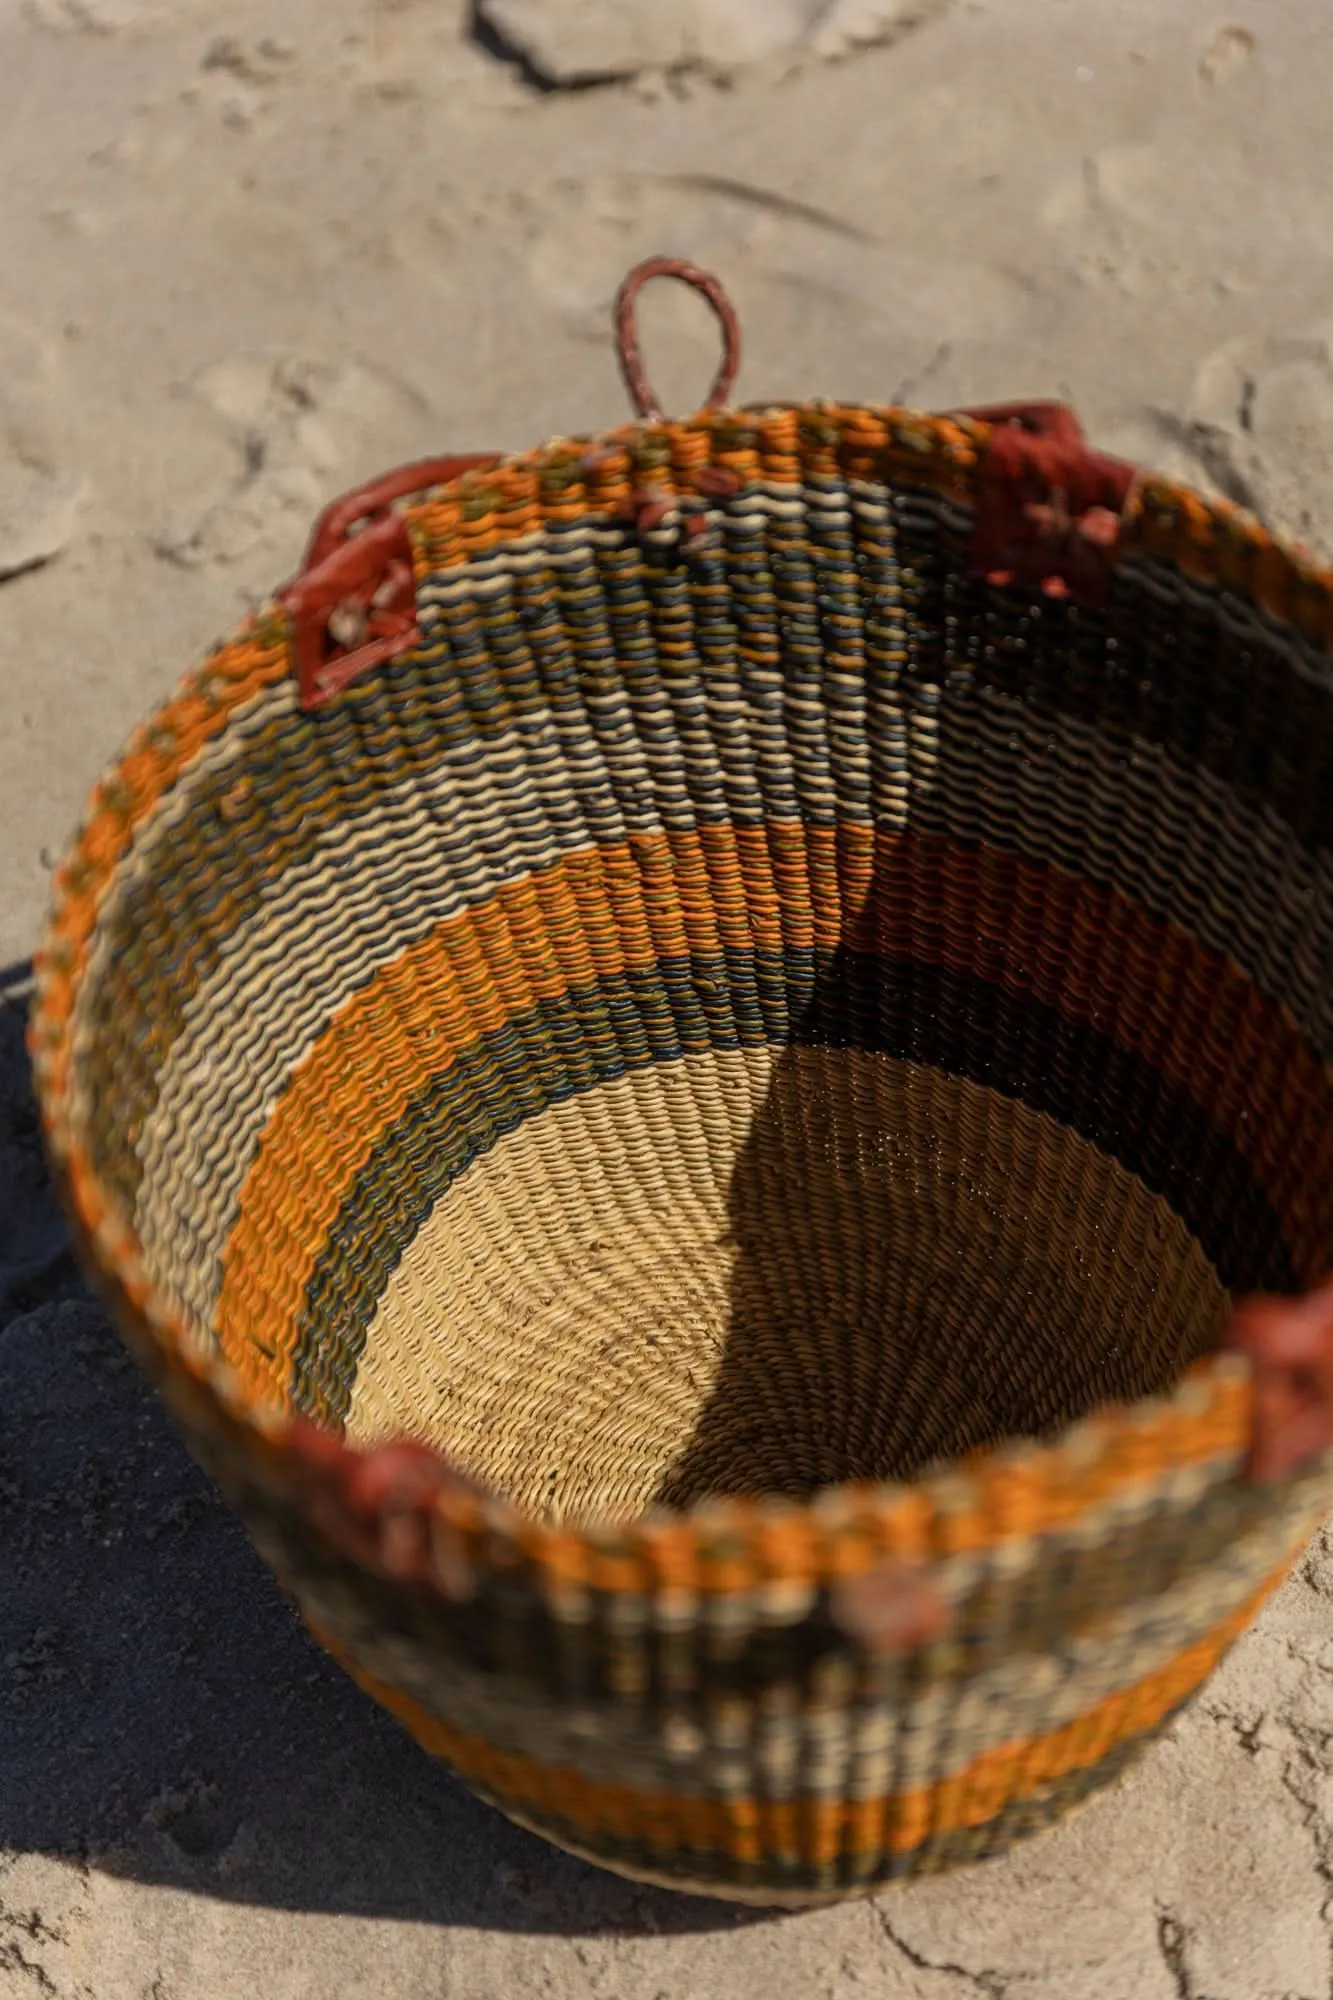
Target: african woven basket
x=700 y=1063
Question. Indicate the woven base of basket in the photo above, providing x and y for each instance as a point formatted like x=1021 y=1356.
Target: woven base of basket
x=767 y=1272
x=1064 y=1808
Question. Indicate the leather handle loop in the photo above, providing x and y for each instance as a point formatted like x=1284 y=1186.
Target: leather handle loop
x=641 y=392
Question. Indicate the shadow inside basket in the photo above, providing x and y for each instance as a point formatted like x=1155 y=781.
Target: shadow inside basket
x=910 y=1233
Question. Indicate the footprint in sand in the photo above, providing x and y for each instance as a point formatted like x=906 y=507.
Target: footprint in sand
x=826 y=306
x=1258 y=429
x=1230 y=52
x=303 y=429
x=38 y=497
x=581 y=236
x=38 y=508
x=29 y=390
x=577 y=236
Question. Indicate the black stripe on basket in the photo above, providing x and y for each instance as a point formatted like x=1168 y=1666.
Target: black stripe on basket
x=922 y=1013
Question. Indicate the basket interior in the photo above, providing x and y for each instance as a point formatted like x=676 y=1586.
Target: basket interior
x=736 y=1021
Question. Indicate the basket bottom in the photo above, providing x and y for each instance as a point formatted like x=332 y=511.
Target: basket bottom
x=684 y=1884
x=1036 y=1818
x=771 y=1271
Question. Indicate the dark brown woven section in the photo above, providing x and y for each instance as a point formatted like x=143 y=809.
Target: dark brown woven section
x=910 y=1291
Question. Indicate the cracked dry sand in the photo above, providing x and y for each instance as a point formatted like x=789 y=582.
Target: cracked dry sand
x=252 y=261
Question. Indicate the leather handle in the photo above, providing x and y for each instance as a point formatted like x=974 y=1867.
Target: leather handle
x=1049 y=507
x=1289 y=1345
x=353 y=605
x=641 y=392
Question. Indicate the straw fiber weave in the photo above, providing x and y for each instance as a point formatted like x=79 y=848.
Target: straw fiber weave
x=775 y=1058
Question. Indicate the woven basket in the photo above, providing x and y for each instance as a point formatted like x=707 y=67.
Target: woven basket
x=675 y=1058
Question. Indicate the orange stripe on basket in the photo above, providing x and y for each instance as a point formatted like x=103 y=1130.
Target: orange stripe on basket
x=599 y=914
x=487 y=509
x=817 y=1830
x=159 y=751
x=1216 y=540
x=565 y=926
x=359 y=1076
x=617 y=908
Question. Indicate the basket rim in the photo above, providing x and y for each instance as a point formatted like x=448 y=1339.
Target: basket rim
x=366 y=1493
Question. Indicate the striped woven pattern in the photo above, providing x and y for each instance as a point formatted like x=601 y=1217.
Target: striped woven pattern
x=774 y=1057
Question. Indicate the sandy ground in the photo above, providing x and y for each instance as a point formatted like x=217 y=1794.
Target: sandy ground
x=250 y=255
